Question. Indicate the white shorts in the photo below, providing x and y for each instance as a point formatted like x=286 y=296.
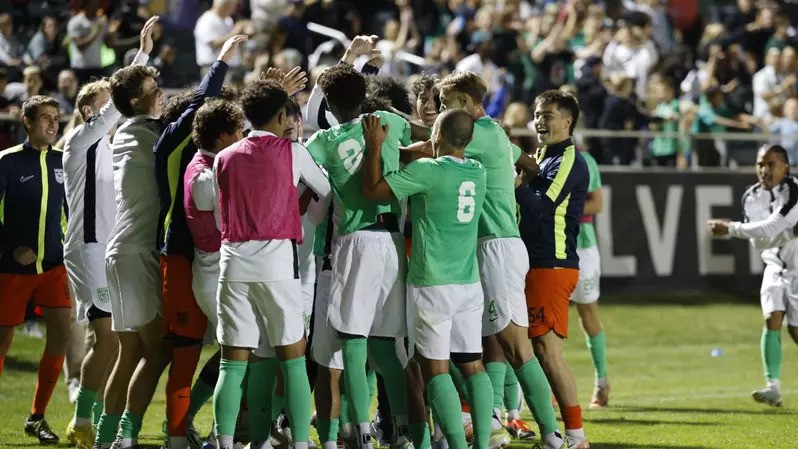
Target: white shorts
x=587 y=290
x=85 y=267
x=445 y=318
x=307 y=304
x=260 y=315
x=206 y=300
x=779 y=294
x=204 y=284
x=367 y=294
x=325 y=349
x=134 y=281
x=503 y=265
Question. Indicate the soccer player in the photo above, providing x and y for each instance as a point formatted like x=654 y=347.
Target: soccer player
x=260 y=292
x=770 y=216
x=367 y=298
x=427 y=98
x=132 y=270
x=185 y=322
x=88 y=181
x=443 y=282
x=586 y=294
x=551 y=207
x=503 y=263
x=31 y=254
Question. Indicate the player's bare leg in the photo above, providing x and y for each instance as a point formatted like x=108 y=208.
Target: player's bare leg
x=548 y=349
x=417 y=411
x=127 y=359
x=771 y=360
x=75 y=355
x=327 y=397
x=514 y=342
x=591 y=324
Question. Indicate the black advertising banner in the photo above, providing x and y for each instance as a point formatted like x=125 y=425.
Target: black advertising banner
x=653 y=237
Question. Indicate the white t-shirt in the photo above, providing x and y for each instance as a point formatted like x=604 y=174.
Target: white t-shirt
x=205 y=267
x=487 y=70
x=271 y=260
x=135 y=187
x=763 y=81
x=91 y=57
x=210 y=27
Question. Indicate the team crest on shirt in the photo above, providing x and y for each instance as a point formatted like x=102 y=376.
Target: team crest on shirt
x=59 y=175
x=104 y=295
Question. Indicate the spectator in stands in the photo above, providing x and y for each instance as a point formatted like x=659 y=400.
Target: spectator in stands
x=713 y=115
x=662 y=34
x=480 y=61
x=4 y=101
x=10 y=53
x=293 y=29
x=44 y=48
x=667 y=151
x=213 y=28
x=554 y=60
x=31 y=85
x=632 y=52
x=781 y=37
x=620 y=114
x=592 y=95
x=788 y=66
x=787 y=128
x=67 y=92
x=87 y=32
x=169 y=74
x=766 y=83
x=758 y=32
x=517 y=116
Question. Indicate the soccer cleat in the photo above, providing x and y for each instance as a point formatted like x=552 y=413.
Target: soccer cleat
x=41 y=430
x=499 y=439
x=98 y=445
x=73 y=387
x=601 y=397
x=401 y=442
x=281 y=432
x=576 y=443
x=312 y=444
x=519 y=429
x=193 y=437
x=768 y=395
x=122 y=443
x=440 y=443
x=81 y=437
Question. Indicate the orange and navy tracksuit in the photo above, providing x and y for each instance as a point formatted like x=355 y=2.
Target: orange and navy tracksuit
x=33 y=214
x=551 y=208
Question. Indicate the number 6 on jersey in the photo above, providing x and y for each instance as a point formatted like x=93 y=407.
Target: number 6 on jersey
x=466 y=203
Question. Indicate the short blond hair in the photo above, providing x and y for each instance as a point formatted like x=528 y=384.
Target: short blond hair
x=468 y=83
x=89 y=91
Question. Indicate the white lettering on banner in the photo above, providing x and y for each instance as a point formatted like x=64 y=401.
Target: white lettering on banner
x=611 y=265
x=705 y=198
x=661 y=239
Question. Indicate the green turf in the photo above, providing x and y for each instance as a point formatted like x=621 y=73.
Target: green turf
x=667 y=391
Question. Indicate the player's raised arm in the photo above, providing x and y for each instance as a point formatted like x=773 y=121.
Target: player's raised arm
x=374 y=134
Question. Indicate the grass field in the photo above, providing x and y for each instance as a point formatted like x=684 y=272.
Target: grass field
x=668 y=392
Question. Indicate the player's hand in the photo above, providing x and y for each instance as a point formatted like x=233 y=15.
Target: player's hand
x=292 y=82
x=145 y=37
x=718 y=228
x=24 y=255
x=361 y=45
x=374 y=132
x=230 y=47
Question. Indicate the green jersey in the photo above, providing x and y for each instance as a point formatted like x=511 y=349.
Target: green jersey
x=667 y=146
x=448 y=195
x=587 y=232
x=340 y=151
x=491 y=147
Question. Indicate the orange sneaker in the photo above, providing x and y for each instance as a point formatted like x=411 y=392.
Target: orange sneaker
x=519 y=429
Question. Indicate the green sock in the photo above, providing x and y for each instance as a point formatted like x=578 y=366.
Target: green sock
x=278 y=402
x=227 y=395
x=327 y=429
x=480 y=391
x=496 y=372
x=459 y=380
x=344 y=418
x=97 y=412
x=130 y=425
x=107 y=428
x=537 y=393
x=260 y=383
x=384 y=353
x=771 y=354
x=510 y=389
x=598 y=346
x=354 y=352
x=297 y=392
x=421 y=435
x=84 y=406
x=200 y=393
x=371 y=378
x=442 y=396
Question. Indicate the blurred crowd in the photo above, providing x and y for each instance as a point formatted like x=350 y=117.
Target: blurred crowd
x=678 y=66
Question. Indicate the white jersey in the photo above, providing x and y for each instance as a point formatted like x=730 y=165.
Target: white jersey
x=135 y=187
x=770 y=216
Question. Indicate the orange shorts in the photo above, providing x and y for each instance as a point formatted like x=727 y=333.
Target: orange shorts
x=49 y=289
x=548 y=291
x=182 y=316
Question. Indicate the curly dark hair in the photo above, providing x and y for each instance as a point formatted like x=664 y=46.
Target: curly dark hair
x=262 y=100
x=563 y=101
x=424 y=82
x=374 y=104
x=214 y=118
x=391 y=90
x=176 y=104
x=126 y=86
x=343 y=87
x=468 y=83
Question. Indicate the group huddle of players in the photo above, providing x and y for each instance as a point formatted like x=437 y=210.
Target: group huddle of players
x=181 y=231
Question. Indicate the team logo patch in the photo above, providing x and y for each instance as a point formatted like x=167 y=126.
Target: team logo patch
x=103 y=295
x=59 y=175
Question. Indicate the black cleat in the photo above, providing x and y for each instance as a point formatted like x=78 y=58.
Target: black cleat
x=41 y=430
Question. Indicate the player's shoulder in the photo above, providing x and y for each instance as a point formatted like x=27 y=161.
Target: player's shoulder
x=751 y=192
x=8 y=152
